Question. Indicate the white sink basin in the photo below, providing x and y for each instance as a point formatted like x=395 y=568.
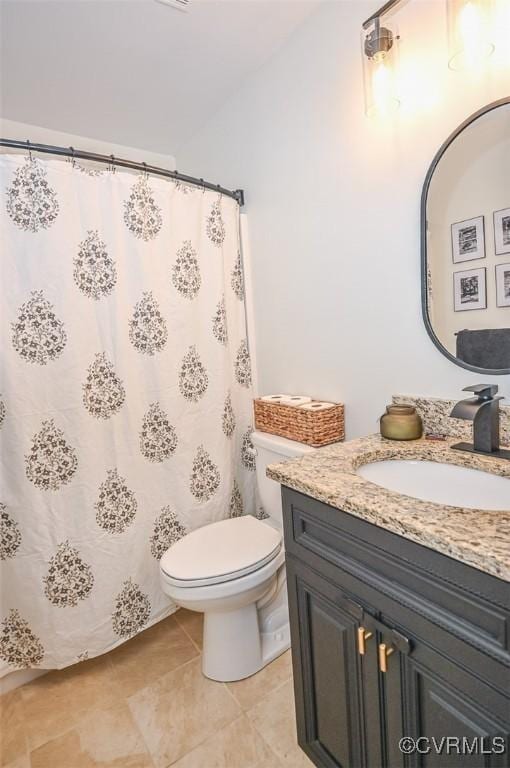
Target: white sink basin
x=440 y=483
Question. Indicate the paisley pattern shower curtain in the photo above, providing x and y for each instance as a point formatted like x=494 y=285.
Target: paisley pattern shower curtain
x=126 y=398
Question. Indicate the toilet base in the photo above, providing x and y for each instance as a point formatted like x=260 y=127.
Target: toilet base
x=246 y=620
x=239 y=643
x=234 y=647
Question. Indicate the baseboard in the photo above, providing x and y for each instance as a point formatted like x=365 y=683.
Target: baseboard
x=20 y=677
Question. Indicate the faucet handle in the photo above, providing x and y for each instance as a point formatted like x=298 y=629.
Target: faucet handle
x=484 y=391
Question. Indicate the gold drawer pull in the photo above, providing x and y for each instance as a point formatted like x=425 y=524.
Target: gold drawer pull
x=384 y=652
x=363 y=636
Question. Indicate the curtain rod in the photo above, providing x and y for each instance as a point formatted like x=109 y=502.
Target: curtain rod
x=79 y=154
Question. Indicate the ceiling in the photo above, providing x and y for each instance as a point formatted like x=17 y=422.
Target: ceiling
x=134 y=72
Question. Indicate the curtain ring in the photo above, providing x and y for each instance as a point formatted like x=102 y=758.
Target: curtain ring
x=73 y=161
x=203 y=185
x=145 y=173
x=29 y=150
x=111 y=167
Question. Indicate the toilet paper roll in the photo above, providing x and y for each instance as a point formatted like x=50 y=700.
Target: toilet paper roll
x=296 y=400
x=274 y=398
x=317 y=405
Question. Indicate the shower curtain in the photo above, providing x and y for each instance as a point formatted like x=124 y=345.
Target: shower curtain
x=126 y=397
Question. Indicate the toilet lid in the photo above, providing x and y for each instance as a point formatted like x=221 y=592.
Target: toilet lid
x=221 y=551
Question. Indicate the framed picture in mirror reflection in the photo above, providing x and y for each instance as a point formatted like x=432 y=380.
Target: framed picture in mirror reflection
x=470 y=289
x=502 y=231
x=468 y=240
x=503 y=285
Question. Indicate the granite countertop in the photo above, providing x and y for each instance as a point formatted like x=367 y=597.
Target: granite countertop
x=477 y=537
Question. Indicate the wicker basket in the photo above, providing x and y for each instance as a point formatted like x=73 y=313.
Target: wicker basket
x=315 y=428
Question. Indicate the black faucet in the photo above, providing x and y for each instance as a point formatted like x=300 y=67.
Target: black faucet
x=483 y=411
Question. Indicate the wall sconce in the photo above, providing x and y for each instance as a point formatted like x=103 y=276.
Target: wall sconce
x=470 y=43
x=380 y=65
x=469 y=33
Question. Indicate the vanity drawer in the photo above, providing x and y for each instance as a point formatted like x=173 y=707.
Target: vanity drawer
x=469 y=604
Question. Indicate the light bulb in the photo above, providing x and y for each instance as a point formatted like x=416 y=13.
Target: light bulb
x=471 y=44
x=380 y=87
x=384 y=100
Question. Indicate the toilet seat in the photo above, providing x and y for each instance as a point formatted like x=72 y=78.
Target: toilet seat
x=221 y=552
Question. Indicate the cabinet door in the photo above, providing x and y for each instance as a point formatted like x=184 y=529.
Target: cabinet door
x=454 y=715
x=329 y=672
x=456 y=706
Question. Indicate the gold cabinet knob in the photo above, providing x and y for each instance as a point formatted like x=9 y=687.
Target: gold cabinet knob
x=384 y=652
x=363 y=636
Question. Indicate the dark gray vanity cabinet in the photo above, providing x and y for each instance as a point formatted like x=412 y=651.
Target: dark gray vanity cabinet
x=391 y=639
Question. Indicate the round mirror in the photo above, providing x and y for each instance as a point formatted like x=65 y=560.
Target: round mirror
x=465 y=236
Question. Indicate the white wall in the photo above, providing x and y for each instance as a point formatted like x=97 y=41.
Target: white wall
x=11 y=129
x=472 y=179
x=333 y=205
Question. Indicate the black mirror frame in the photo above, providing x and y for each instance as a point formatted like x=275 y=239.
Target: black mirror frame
x=423 y=226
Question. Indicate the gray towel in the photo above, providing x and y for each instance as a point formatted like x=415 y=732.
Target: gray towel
x=489 y=348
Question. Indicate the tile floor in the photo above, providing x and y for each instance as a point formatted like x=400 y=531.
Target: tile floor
x=147 y=705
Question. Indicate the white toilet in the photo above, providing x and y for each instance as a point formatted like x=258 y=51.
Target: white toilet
x=233 y=571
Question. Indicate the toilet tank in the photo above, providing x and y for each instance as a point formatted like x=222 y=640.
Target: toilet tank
x=272 y=449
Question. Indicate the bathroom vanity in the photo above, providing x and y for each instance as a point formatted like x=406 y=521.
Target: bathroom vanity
x=400 y=612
